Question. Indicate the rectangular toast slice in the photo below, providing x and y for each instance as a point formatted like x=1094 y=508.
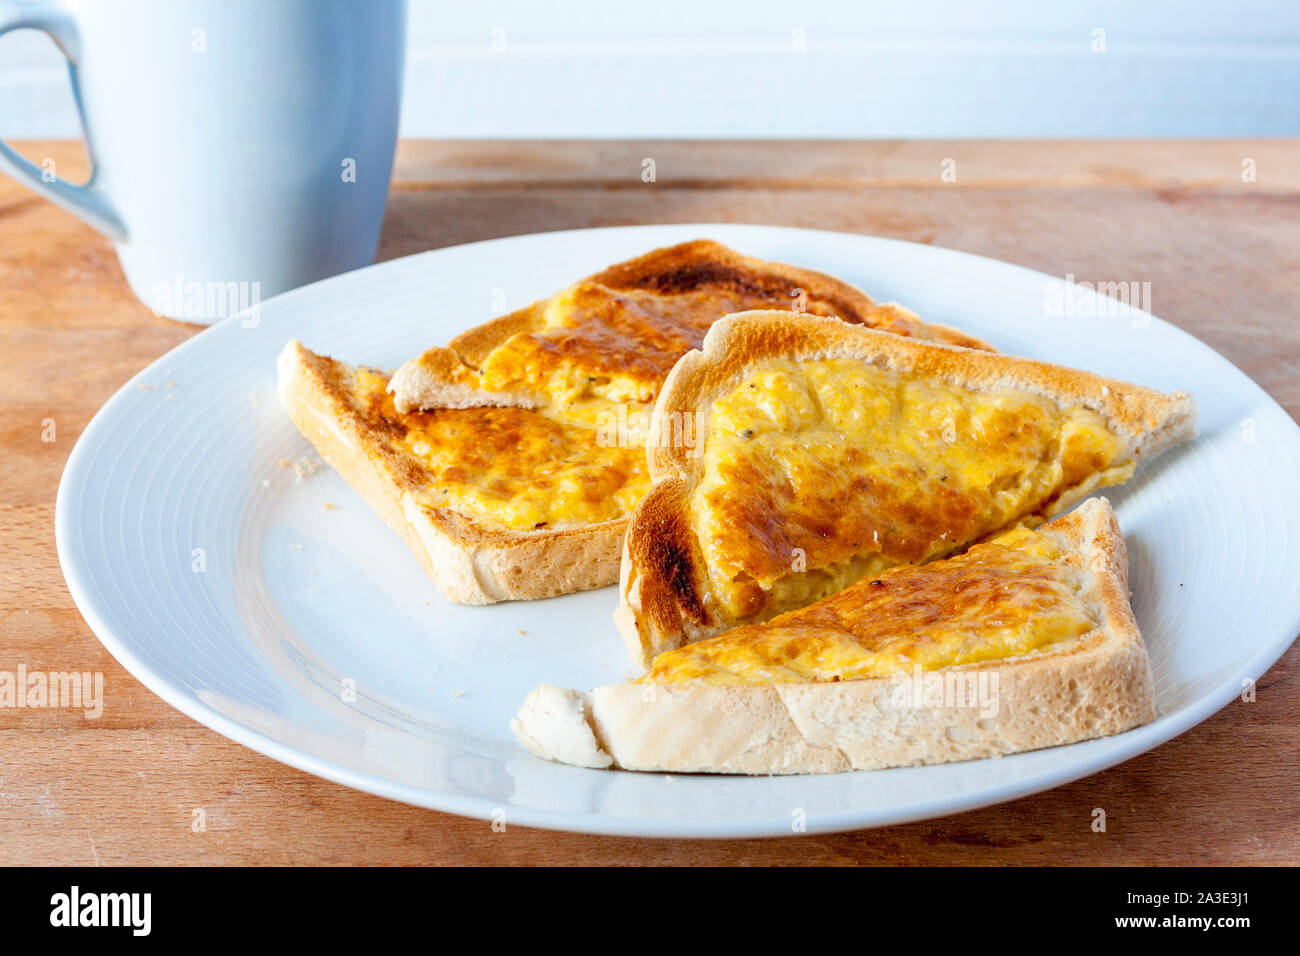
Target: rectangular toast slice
x=796 y=454
x=1023 y=642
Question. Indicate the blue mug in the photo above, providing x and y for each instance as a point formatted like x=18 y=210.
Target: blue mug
x=238 y=148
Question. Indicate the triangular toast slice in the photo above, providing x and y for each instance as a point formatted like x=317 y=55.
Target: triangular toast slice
x=1022 y=642
x=615 y=335
x=795 y=455
x=475 y=493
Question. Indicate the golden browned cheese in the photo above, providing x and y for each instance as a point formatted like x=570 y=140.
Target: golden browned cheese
x=511 y=468
x=1011 y=596
x=616 y=344
x=816 y=474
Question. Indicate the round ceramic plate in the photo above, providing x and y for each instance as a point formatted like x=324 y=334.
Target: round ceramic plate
x=243 y=587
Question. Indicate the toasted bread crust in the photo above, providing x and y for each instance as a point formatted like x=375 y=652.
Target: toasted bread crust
x=1099 y=685
x=658 y=582
x=704 y=263
x=432 y=380
x=472 y=565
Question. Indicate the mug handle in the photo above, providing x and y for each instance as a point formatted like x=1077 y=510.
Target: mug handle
x=87 y=202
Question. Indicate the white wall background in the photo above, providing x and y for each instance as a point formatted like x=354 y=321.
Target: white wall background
x=761 y=68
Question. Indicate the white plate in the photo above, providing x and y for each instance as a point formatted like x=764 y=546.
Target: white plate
x=296 y=597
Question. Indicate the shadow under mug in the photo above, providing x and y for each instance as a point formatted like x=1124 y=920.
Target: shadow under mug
x=238 y=148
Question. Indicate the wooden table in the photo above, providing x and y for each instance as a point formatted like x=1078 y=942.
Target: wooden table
x=1223 y=259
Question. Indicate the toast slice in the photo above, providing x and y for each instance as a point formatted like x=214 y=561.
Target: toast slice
x=1023 y=642
x=408 y=468
x=795 y=455
x=615 y=335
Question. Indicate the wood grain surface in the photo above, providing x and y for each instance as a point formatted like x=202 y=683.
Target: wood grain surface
x=1223 y=258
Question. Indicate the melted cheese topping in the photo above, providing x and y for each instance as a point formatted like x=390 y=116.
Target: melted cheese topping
x=617 y=345
x=817 y=474
x=1009 y=597
x=513 y=468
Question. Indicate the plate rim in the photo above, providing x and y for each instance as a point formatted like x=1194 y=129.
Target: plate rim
x=1126 y=746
